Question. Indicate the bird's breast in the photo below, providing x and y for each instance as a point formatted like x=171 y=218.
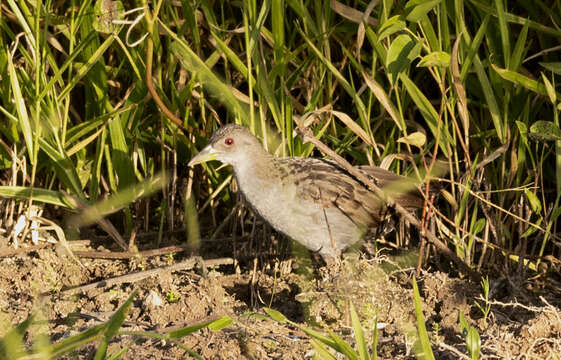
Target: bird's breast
x=278 y=202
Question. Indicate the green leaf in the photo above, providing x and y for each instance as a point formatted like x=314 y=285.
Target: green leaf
x=517 y=78
x=417 y=139
x=535 y=203
x=428 y=112
x=359 y=335
x=64 y=167
x=375 y=339
x=74 y=342
x=177 y=334
x=421 y=328
x=519 y=48
x=106 y=12
x=220 y=324
x=504 y=32
x=342 y=346
x=21 y=108
x=531 y=229
x=473 y=343
x=464 y=326
x=12 y=344
x=384 y=99
x=329 y=341
x=391 y=26
x=436 y=58
x=545 y=131
x=555 y=214
x=403 y=50
x=490 y=98
x=322 y=350
x=84 y=69
x=550 y=90
x=416 y=9
x=275 y=315
x=113 y=326
x=554 y=67
x=479 y=225
x=120 y=199
x=523 y=130
x=41 y=195
x=118 y=317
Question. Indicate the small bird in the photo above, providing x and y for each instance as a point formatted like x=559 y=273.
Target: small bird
x=313 y=201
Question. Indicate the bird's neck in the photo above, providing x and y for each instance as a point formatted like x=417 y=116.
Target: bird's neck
x=256 y=164
x=257 y=173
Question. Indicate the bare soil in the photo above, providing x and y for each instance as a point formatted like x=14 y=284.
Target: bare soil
x=524 y=321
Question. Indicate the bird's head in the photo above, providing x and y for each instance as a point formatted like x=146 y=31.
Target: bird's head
x=231 y=144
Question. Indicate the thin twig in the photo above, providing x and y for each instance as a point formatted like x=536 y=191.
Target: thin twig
x=456 y=352
x=134 y=277
x=131 y=254
x=6 y=252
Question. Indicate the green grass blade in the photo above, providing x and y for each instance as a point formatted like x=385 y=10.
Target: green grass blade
x=487 y=9
x=503 y=30
x=217 y=87
x=220 y=323
x=422 y=330
x=233 y=58
x=21 y=108
x=120 y=200
x=490 y=98
x=214 y=325
x=375 y=339
x=519 y=79
x=322 y=350
x=83 y=70
x=112 y=327
x=342 y=346
x=385 y=100
x=361 y=109
x=120 y=153
x=403 y=50
x=45 y=196
x=304 y=14
x=474 y=46
x=74 y=342
x=57 y=77
x=519 y=48
x=429 y=114
x=415 y=10
x=12 y=343
x=64 y=167
x=359 y=335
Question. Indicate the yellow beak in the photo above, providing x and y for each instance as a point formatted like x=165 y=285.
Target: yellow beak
x=206 y=154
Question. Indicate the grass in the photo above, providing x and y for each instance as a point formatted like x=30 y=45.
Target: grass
x=101 y=97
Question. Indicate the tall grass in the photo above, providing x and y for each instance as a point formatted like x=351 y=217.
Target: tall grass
x=98 y=97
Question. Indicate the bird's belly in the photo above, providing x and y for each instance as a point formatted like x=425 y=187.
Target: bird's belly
x=326 y=230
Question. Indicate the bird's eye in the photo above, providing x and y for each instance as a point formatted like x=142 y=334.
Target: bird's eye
x=229 y=141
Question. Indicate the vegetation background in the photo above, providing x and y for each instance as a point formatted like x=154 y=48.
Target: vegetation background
x=104 y=103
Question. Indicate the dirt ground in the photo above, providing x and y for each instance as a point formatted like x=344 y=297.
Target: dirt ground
x=524 y=321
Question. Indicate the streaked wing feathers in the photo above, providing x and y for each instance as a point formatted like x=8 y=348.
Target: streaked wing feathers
x=327 y=184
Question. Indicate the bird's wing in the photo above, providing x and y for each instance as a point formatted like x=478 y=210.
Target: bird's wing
x=325 y=183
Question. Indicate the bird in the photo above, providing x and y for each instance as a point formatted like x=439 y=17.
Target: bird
x=314 y=201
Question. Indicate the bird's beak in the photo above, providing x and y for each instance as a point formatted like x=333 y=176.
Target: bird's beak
x=206 y=154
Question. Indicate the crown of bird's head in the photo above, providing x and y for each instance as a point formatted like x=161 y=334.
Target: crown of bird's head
x=231 y=144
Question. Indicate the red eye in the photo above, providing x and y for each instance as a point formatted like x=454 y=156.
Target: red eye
x=229 y=141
